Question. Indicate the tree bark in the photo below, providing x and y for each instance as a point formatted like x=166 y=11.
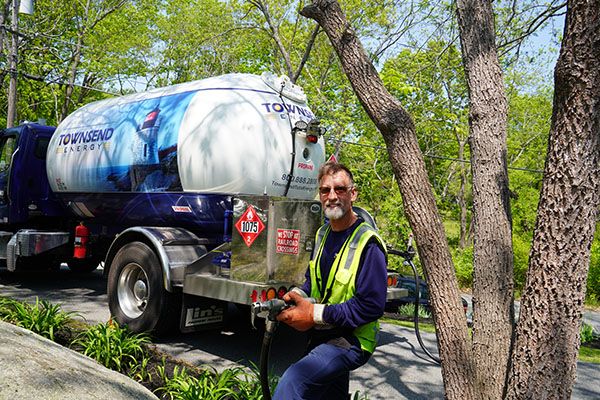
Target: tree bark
x=462 y=192
x=547 y=337
x=493 y=317
x=398 y=131
x=11 y=112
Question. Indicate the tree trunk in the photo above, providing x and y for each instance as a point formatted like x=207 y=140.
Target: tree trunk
x=71 y=76
x=493 y=317
x=398 y=131
x=3 y=19
x=11 y=112
x=547 y=338
x=462 y=195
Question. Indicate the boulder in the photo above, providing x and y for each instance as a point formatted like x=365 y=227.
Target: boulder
x=33 y=367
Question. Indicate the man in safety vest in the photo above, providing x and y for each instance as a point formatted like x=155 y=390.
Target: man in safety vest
x=348 y=277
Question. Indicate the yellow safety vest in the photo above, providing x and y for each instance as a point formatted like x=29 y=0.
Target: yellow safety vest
x=344 y=270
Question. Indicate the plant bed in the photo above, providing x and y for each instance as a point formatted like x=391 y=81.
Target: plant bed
x=132 y=355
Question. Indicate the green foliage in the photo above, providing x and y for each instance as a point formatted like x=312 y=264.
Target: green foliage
x=233 y=383
x=113 y=346
x=593 y=282
x=521 y=248
x=42 y=318
x=423 y=326
x=463 y=264
x=408 y=310
x=589 y=355
x=587 y=333
x=358 y=396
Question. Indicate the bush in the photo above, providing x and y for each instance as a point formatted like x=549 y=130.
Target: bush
x=463 y=263
x=587 y=333
x=42 y=318
x=408 y=310
x=233 y=383
x=593 y=281
x=521 y=249
x=114 y=347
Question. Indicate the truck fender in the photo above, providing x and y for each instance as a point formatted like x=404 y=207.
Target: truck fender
x=176 y=248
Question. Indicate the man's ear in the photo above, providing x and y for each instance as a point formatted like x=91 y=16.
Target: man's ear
x=354 y=194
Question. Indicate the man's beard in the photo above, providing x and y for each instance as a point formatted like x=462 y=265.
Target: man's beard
x=334 y=213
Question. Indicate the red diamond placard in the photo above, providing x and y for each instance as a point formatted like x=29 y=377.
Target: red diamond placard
x=249 y=225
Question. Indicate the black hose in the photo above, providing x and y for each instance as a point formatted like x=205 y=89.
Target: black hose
x=265 y=351
x=408 y=256
x=416 y=315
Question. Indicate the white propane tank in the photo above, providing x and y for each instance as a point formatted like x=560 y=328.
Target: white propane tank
x=229 y=134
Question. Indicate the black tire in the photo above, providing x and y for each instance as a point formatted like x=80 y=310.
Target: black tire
x=136 y=294
x=83 y=265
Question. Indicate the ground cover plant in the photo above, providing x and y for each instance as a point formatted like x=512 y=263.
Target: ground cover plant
x=43 y=318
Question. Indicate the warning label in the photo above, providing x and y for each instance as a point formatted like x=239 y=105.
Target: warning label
x=249 y=226
x=288 y=241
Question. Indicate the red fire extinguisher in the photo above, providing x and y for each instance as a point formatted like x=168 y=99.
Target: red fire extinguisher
x=82 y=236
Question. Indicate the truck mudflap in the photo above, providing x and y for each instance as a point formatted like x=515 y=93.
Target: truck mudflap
x=201 y=313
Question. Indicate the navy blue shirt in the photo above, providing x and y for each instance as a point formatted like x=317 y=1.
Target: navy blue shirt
x=368 y=302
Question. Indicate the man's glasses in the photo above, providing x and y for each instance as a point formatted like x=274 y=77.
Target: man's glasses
x=339 y=190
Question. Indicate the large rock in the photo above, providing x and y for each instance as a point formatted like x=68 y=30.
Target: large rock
x=32 y=367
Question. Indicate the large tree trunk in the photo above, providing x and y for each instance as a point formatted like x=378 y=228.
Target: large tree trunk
x=398 y=131
x=547 y=340
x=493 y=318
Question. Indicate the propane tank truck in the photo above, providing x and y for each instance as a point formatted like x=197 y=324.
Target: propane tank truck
x=193 y=196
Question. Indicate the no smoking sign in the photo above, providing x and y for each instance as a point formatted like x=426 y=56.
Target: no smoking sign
x=249 y=225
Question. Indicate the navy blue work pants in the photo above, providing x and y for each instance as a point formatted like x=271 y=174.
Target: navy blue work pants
x=324 y=373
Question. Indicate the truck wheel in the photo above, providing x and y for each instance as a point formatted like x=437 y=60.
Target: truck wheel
x=136 y=294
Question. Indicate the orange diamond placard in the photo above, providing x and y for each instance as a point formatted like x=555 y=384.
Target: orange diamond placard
x=249 y=226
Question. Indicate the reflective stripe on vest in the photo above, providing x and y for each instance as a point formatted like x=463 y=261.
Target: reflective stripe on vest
x=341 y=284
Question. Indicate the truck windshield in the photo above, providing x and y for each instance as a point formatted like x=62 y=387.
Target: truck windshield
x=7 y=148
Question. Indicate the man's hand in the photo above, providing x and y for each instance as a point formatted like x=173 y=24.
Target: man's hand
x=300 y=315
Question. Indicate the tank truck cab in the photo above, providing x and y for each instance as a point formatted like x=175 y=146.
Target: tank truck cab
x=28 y=206
x=25 y=193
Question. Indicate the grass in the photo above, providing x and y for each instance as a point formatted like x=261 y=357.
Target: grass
x=589 y=355
x=423 y=326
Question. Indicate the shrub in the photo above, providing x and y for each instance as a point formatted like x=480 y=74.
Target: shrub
x=408 y=310
x=593 y=281
x=587 y=333
x=463 y=263
x=233 y=383
x=42 y=318
x=114 y=347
